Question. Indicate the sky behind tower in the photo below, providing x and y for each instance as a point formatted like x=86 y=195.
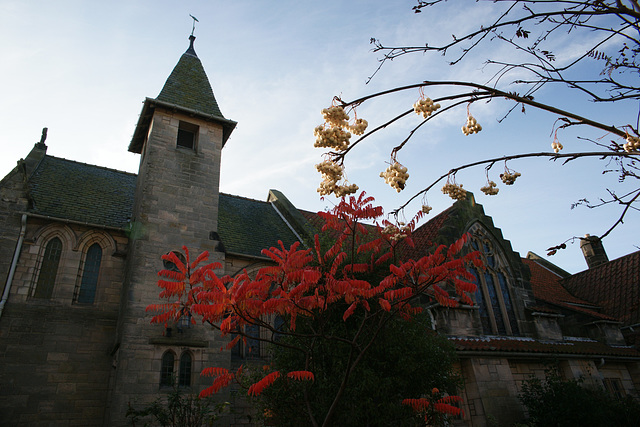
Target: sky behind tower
x=82 y=69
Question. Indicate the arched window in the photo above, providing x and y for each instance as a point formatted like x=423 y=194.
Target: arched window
x=48 y=269
x=497 y=314
x=166 y=369
x=184 y=377
x=91 y=269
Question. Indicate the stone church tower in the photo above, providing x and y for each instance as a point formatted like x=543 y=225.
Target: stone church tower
x=179 y=135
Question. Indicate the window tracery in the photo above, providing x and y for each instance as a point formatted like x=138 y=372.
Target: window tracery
x=493 y=296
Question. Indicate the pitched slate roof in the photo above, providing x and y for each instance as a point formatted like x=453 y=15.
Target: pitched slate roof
x=76 y=191
x=188 y=86
x=547 y=287
x=69 y=190
x=583 y=346
x=247 y=226
x=615 y=286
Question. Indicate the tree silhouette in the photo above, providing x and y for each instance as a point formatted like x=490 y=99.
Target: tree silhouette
x=603 y=66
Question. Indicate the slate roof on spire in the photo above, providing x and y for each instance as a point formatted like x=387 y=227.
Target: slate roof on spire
x=187 y=90
x=189 y=87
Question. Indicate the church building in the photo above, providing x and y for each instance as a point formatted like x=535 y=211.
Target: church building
x=81 y=245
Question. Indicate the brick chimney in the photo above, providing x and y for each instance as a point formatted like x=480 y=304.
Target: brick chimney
x=593 y=251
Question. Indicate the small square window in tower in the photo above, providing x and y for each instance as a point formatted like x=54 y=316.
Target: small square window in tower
x=187 y=135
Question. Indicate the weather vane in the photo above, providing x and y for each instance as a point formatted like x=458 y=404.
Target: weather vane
x=194 y=23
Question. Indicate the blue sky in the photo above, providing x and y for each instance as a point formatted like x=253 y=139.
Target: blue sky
x=82 y=69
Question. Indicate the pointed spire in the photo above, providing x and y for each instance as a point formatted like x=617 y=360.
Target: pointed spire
x=187 y=89
x=188 y=86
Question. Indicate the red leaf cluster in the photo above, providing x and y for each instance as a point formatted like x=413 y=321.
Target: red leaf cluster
x=312 y=282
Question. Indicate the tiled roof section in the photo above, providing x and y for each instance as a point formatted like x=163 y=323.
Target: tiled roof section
x=424 y=237
x=547 y=287
x=247 y=226
x=614 y=286
x=75 y=191
x=189 y=87
x=578 y=346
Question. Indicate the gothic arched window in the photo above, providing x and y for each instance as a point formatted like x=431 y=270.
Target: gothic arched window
x=493 y=297
x=91 y=269
x=184 y=377
x=48 y=269
x=166 y=369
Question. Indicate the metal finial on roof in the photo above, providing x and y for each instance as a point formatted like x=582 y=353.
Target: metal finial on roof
x=191 y=50
x=194 y=23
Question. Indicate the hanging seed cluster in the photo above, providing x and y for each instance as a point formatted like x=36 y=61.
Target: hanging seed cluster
x=334 y=138
x=509 y=178
x=426 y=209
x=424 y=107
x=359 y=126
x=335 y=116
x=397 y=233
x=332 y=173
x=491 y=189
x=396 y=176
x=556 y=146
x=455 y=191
x=335 y=134
x=632 y=144
x=472 y=126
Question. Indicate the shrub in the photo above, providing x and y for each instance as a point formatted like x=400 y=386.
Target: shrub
x=555 y=401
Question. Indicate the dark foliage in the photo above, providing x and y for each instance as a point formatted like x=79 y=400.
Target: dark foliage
x=407 y=361
x=558 y=402
x=178 y=409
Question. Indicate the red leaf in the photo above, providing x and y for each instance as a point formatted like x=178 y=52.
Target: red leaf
x=384 y=304
x=301 y=375
x=349 y=311
x=257 y=388
x=213 y=372
x=445 y=408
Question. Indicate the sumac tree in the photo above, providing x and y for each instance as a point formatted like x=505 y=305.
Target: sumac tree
x=343 y=293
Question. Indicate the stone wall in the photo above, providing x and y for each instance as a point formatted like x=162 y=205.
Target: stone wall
x=55 y=354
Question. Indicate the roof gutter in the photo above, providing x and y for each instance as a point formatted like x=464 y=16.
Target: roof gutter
x=260 y=258
x=71 y=221
x=14 y=263
x=535 y=355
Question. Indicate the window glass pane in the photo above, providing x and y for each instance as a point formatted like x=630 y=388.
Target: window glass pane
x=491 y=261
x=49 y=269
x=253 y=345
x=507 y=304
x=89 y=282
x=166 y=369
x=184 y=379
x=482 y=305
x=495 y=304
